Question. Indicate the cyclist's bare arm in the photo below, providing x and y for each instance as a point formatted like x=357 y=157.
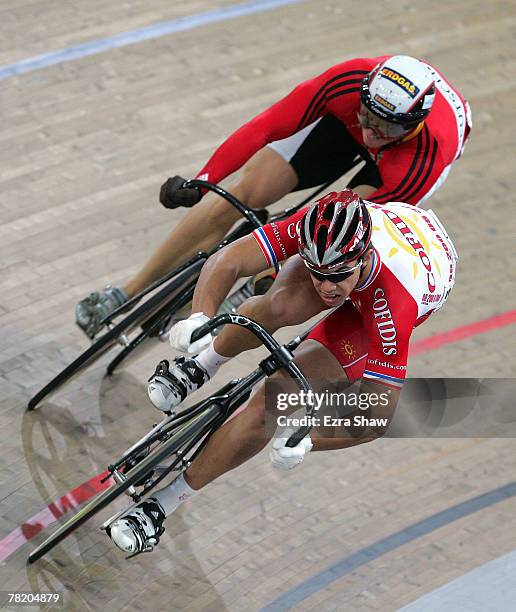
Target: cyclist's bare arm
x=239 y=259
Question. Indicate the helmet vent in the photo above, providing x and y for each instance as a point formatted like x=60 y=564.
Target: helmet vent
x=312 y=221
x=322 y=236
x=351 y=231
x=339 y=222
x=329 y=212
x=352 y=255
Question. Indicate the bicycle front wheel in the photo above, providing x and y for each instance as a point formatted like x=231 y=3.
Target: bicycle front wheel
x=106 y=341
x=151 y=326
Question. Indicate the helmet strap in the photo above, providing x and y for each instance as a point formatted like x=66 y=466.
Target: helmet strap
x=414 y=132
x=364 y=264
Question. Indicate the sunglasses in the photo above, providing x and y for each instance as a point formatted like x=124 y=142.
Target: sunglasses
x=333 y=277
x=381 y=128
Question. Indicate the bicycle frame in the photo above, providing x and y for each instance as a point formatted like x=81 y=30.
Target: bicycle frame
x=215 y=409
x=230 y=397
x=181 y=437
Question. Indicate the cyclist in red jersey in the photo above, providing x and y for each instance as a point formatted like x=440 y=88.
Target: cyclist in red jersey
x=382 y=269
x=396 y=115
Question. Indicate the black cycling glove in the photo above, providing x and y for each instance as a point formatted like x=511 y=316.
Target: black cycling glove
x=172 y=194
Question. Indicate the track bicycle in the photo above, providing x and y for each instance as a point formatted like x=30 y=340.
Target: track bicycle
x=163 y=300
x=180 y=437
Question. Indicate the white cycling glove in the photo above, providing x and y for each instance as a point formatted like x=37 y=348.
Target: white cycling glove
x=284 y=458
x=179 y=336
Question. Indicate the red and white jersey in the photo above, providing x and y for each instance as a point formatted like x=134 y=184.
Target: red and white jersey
x=411 y=169
x=412 y=274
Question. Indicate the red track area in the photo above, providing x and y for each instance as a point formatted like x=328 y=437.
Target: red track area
x=463 y=332
x=72 y=500
x=25 y=532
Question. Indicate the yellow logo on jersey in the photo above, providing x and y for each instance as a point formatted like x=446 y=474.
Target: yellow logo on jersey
x=409 y=237
x=401 y=81
x=348 y=349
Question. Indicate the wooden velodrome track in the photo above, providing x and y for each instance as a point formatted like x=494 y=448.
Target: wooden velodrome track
x=85 y=146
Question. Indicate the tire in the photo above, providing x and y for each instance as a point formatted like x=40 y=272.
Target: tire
x=158 y=455
x=105 y=342
x=150 y=327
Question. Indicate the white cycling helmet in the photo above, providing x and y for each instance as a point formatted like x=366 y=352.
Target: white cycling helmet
x=400 y=90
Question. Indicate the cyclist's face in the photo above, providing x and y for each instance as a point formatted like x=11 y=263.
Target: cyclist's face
x=375 y=131
x=335 y=293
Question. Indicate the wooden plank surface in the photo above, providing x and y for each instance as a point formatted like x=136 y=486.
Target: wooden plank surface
x=85 y=146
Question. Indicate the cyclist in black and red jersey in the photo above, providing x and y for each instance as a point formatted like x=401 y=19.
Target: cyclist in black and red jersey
x=382 y=268
x=396 y=114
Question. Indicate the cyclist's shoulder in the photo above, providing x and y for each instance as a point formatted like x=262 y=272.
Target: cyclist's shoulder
x=290 y=223
x=278 y=239
x=414 y=249
x=356 y=64
x=399 y=227
x=386 y=295
x=403 y=216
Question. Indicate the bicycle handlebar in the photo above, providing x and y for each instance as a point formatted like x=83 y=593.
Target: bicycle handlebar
x=247 y=212
x=281 y=354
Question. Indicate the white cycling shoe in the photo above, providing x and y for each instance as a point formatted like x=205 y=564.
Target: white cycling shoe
x=139 y=530
x=169 y=386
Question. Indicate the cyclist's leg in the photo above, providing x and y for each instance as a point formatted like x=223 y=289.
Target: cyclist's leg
x=266 y=178
x=246 y=435
x=234 y=443
x=335 y=352
x=364 y=191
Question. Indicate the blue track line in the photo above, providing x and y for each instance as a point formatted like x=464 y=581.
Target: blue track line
x=135 y=36
x=348 y=564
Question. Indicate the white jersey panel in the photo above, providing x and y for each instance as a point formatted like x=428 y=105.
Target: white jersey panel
x=461 y=109
x=289 y=146
x=413 y=244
